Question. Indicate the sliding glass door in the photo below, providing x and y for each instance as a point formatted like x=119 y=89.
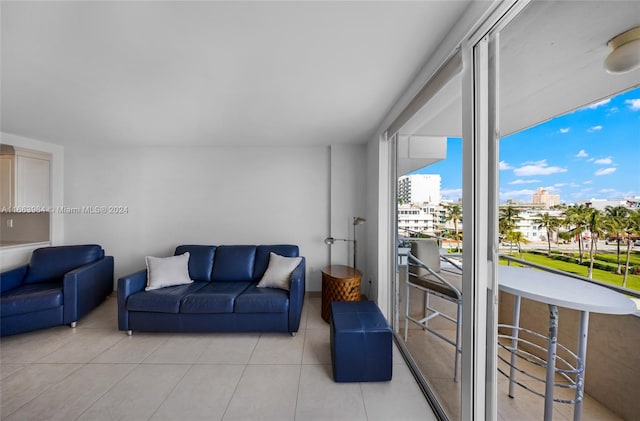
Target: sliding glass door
x=529 y=62
x=429 y=234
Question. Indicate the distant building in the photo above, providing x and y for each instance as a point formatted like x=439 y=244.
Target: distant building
x=416 y=218
x=542 y=196
x=425 y=219
x=419 y=188
x=528 y=222
x=601 y=204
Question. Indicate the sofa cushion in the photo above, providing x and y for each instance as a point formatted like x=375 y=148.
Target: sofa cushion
x=30 y=298
x=262 y=300
x=49 y=264
x=278 y=274
x=263 y=255
x=167 y=271
x=216 y=297
x=233 y=263
x=163 y=300
x=200 y=262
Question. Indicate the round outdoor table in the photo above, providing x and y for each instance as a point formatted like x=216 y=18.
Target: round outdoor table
x=563 y=291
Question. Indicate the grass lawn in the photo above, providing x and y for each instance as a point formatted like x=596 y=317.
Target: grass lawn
x=634 y=257
x=633 y=281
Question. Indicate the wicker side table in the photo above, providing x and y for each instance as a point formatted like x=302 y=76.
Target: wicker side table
x=339 y=283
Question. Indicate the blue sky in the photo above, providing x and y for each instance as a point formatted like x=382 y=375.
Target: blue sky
x=593 y=152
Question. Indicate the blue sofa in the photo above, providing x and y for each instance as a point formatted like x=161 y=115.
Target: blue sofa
x=224 y=296
x=59 y=286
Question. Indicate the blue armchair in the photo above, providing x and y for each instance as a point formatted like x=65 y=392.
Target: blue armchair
x=59 y=286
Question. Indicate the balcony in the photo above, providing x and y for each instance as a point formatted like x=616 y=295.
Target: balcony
x=612 y=374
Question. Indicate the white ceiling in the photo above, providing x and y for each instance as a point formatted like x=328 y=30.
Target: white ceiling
x=551 y=62
x=201 y=73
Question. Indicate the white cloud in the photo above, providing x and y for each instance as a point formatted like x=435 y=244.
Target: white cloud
x=598 y=104
x=588 y=182
x=605 y=171
x=515 y=194
x=558 y=185
x=537 y=168
x=582 y=154
x=603 y=161
x=611 y=111
x=451 y=194
x=580 y=195
x=521 y=181
x=565 y=130
x=613 y=193
x=595 y=129
x=505 y=166
x=634 y=104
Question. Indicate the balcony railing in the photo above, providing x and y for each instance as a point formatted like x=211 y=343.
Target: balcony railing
x=612 y=375
x=626 y=291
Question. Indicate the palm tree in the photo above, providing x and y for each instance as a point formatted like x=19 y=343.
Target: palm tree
x=632 y=226
x=595 y=226
x=615 y=218
x=507 y=222
x=565 y=236
x=516 y=237
x=575 y=219
x=549 y=223
x=454 y=214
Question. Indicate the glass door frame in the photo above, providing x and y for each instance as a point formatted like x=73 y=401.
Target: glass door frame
x=481 y=134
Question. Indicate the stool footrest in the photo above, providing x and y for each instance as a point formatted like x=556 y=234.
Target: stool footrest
x=361 y=342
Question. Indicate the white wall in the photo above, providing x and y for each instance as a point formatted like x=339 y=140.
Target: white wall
x=348 y=192
x=199 y=195
x=373 y=215
x=16 y=256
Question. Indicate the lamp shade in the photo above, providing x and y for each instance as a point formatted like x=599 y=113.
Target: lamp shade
x=358 y=220
x=625 y=52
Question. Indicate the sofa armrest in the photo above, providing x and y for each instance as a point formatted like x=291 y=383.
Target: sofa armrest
x=128 y=285
x=11 y=279
x=86 y=287
x=297 y=288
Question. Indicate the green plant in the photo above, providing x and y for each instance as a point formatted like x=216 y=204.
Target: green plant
x=550 y=224
x=575 y=219
x=615 y=222
x=454 y=214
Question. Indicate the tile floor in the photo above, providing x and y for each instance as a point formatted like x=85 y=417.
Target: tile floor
x=95 y=372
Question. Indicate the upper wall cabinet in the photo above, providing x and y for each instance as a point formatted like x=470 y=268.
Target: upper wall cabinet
x=24 y=180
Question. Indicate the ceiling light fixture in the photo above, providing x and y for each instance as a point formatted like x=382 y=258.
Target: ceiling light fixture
x=625 y=52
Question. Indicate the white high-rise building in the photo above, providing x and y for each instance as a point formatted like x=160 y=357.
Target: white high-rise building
x=419 y=188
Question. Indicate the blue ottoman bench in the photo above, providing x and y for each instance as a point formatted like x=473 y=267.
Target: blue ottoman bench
x=360 y=342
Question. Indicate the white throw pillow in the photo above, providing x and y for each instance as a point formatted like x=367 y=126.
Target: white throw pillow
x=279 y=271
x=167 y=271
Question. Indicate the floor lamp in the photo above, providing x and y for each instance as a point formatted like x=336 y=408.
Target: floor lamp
x=356 y=221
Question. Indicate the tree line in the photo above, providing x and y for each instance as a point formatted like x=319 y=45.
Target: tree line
x=617 y=222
